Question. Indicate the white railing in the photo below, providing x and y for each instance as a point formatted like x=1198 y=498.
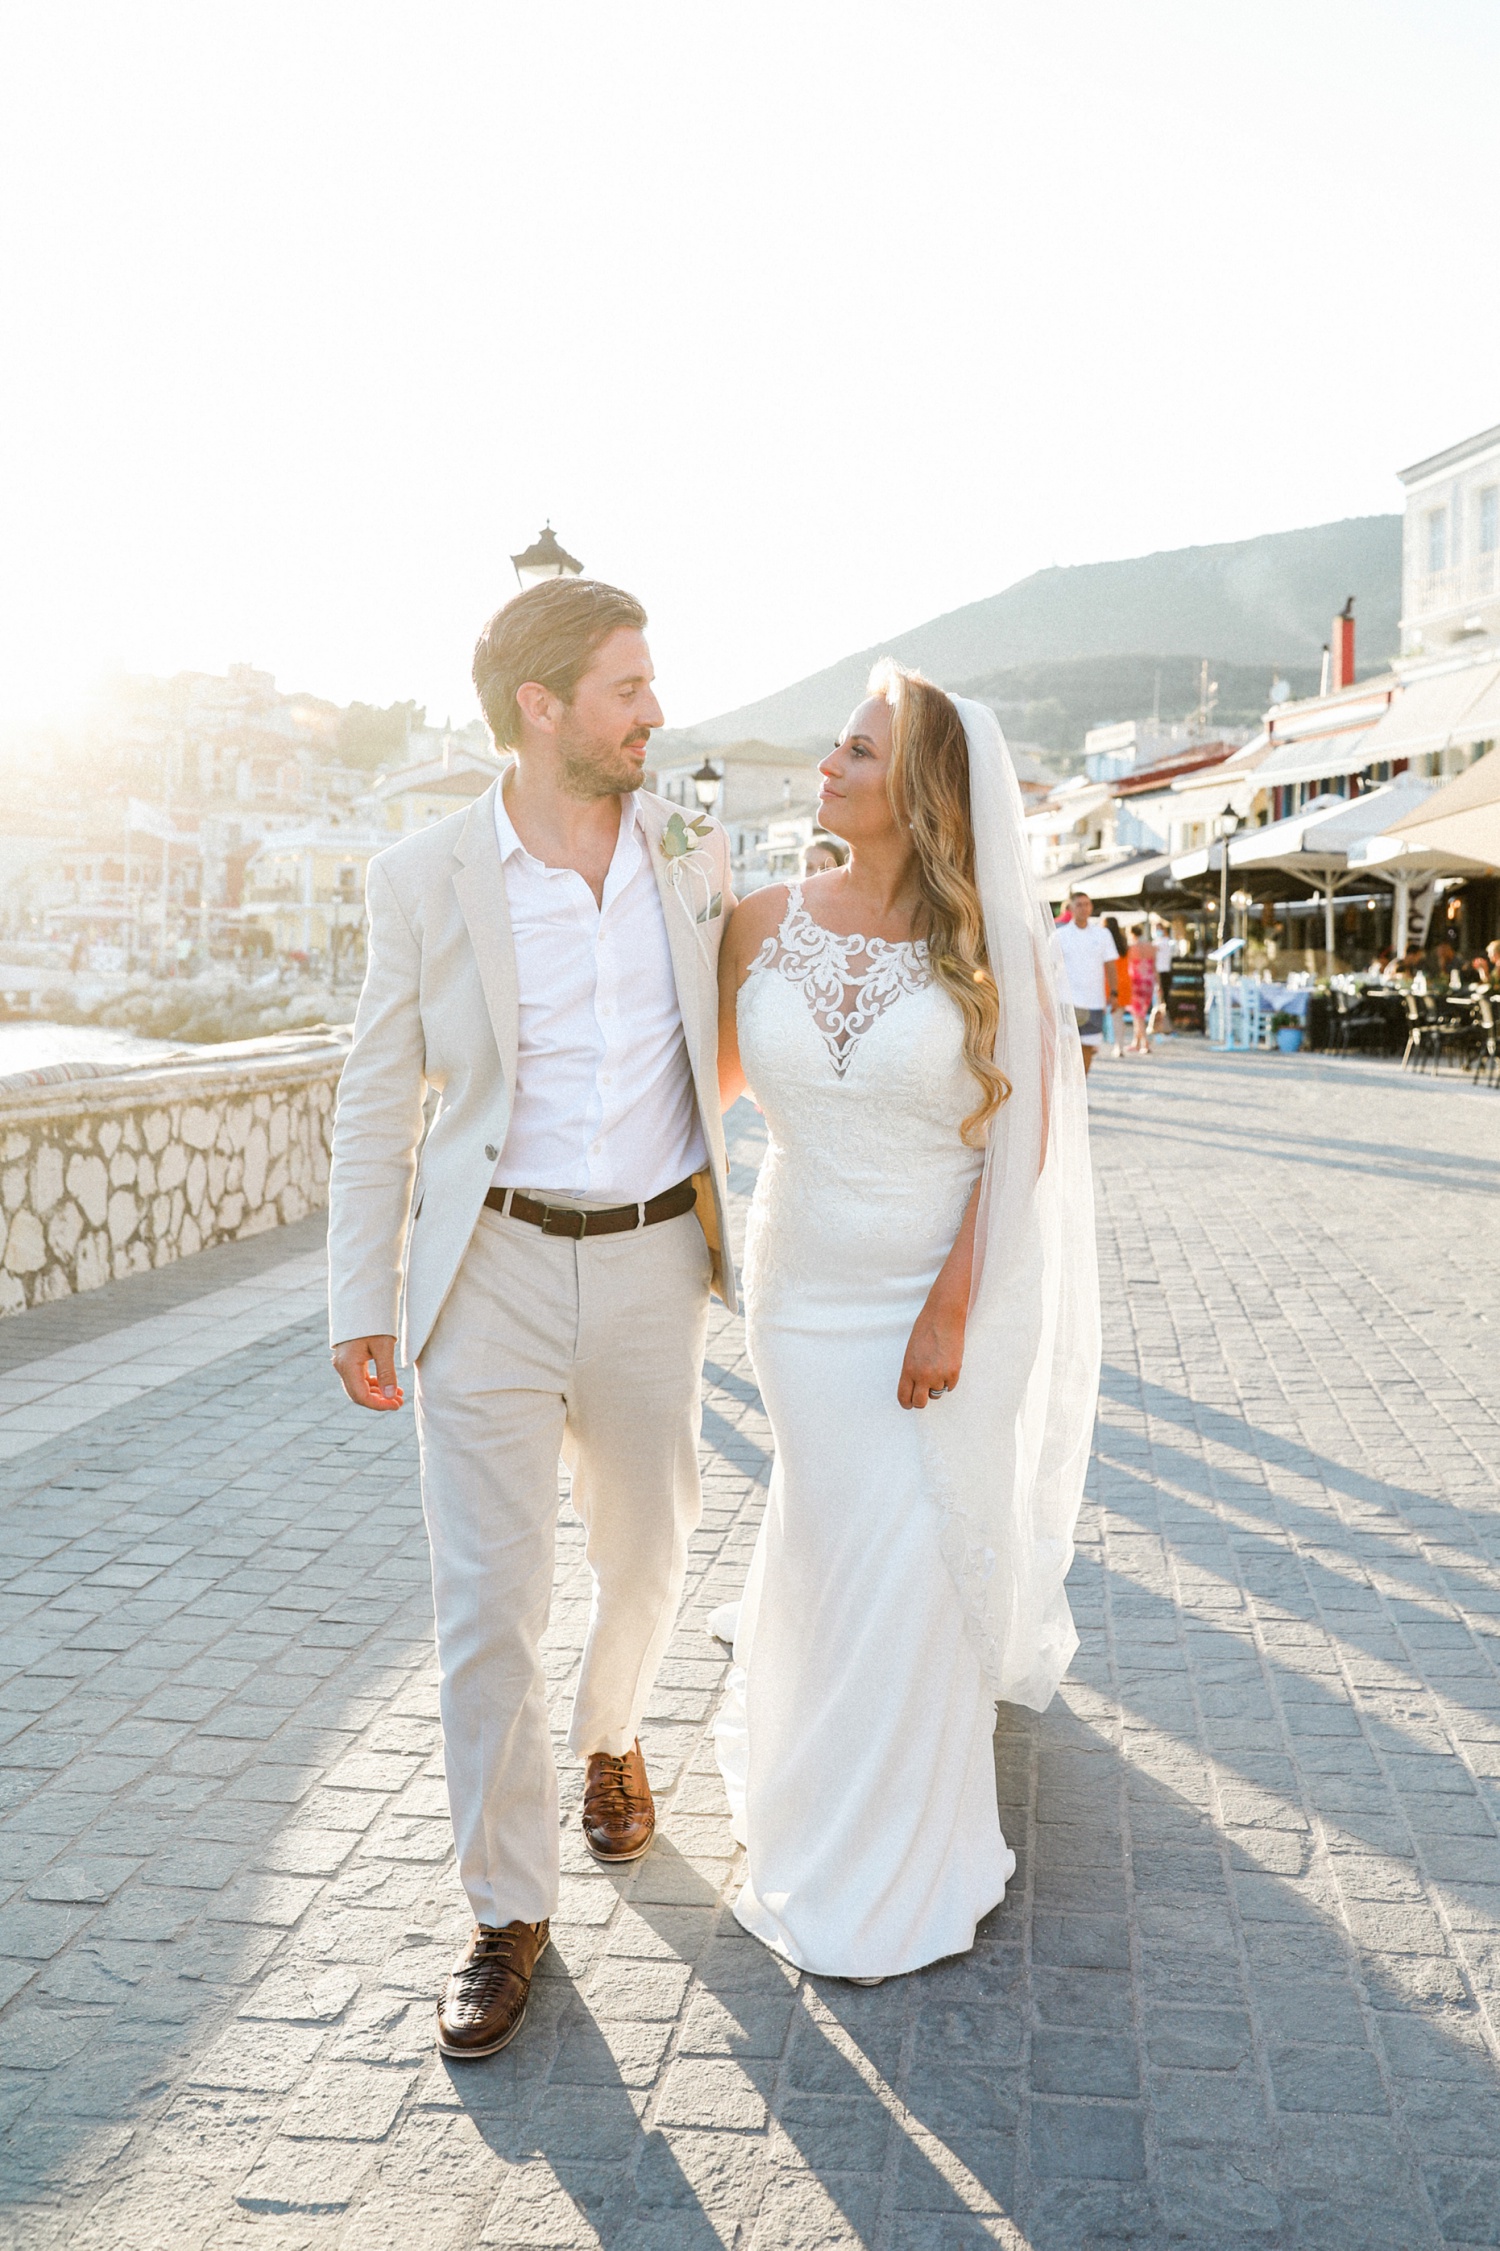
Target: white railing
x=1473 y=581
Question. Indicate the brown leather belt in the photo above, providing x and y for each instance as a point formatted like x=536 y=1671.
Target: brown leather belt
x=557 y=1219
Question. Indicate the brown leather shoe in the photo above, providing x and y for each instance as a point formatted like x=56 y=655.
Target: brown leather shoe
x=484 y=2001
x=619 y=1818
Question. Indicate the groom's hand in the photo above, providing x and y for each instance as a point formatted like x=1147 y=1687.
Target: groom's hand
x=366 y=1368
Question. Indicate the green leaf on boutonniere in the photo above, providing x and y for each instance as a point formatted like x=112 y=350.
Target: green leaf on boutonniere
x=681 y=837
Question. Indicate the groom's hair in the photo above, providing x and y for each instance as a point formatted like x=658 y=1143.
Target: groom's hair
x=547 y=634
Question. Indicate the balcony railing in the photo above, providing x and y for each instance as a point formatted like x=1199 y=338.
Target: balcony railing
x=1435 y=591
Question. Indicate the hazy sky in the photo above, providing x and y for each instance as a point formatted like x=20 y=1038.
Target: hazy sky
x=805 y=321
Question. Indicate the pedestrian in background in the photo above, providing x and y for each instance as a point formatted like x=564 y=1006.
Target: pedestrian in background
x=821 y=853
x=1165 y=946
x=1116 y=987
x=1086 y=948
x=1140 y=964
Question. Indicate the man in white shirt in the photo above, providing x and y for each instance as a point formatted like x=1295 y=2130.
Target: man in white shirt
x=545 y=960
x=1086 y=947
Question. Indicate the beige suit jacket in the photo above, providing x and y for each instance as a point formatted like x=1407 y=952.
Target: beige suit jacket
x=440 y=1010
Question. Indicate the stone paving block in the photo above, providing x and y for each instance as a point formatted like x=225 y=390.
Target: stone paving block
x=1341 y=2080
x=1083 y=2063
x=346 y=2102
x=610 y=2055
x=1465 y=2196
x=537 y=2207
x=806 y=2212
x=830 y=2134
x=1084 y=1942
x=1193 y=2108
x=752 y=2024
x=714 y=2171
x=258 y=2059
x=646 y=1991
x=715 y=2093
x=278 y=1901
x=37 y=2039
x=1198 y=2039
x=588 y=2124
x=304 y=1851
x=89 y=1881
x=36 y=1934
x=304 y=2177
x=970 y=2172
x=820 y=2060
x=1087 y=2141
x=302 y=1996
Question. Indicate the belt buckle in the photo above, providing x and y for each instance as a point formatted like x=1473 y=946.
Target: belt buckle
x=556 y=1221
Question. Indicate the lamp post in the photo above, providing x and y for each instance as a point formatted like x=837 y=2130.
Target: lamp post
x=1242 y=902
x=1226 y=825
x=706 y=784
x=544 y=558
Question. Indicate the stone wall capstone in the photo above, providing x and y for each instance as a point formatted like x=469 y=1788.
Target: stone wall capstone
x=131 y=1169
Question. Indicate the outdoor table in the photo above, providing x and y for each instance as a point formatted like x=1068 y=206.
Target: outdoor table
x=1291 y=998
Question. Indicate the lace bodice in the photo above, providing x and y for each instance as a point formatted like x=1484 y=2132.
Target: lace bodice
x=847 y=982
x=855 y=1054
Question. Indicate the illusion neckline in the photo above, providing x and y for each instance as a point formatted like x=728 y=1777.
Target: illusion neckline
x=853 y=941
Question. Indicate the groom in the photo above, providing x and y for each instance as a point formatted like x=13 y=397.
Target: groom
x=544 y=963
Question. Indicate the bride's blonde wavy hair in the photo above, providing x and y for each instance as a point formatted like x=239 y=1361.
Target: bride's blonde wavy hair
x=929 y=792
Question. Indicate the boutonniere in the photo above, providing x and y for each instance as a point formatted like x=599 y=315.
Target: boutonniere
x=681 y=846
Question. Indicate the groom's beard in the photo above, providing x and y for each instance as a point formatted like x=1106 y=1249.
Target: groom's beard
x=593 y=769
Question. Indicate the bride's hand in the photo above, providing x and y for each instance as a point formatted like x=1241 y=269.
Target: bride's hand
x=934 y=1354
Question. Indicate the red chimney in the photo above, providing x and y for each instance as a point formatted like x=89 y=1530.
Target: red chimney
x=1343 y=646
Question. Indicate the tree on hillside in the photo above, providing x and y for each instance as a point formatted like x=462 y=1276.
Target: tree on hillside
x=369 y=737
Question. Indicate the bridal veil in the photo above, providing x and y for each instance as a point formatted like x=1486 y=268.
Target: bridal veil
x=1008 y=1449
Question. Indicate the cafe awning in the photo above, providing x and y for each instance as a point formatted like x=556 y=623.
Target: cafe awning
x=1436 y=710
x=1459 y=822
x=1107 y=881
x=1316 y=842
x=1317 y=758
x=1066 y=808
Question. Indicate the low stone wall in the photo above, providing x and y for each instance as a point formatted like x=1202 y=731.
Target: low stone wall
x=118 y=1173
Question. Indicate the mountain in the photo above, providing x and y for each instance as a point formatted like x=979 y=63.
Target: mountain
x=1053 y=705
x=1264 y=603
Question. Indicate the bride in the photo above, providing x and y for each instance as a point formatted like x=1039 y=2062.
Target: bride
x=922 y=1312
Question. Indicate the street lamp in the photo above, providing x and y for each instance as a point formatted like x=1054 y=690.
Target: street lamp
x=706 y=785
x=544 y=558
x=1226 y=825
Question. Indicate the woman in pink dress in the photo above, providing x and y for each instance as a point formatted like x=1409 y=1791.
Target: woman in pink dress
x=1140 y=961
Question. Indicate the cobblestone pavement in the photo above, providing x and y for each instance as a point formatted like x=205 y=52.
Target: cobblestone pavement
x=1245 y=1987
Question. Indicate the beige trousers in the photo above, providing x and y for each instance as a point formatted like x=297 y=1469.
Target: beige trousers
x=590 y=1350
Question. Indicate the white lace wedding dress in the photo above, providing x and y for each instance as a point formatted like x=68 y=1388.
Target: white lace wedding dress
x=855 y=1735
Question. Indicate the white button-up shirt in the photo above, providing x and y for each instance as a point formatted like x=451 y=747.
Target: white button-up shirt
x=605 y=1106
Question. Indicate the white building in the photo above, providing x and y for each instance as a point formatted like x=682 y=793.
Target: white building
x=1450 y=547
x=762 y=785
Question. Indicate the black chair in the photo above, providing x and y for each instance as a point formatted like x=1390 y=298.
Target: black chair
x=1338 y=1030
x=1359 y=1023
x=1449 y=1034
x=1421 y=1043
x=1485 y=1055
